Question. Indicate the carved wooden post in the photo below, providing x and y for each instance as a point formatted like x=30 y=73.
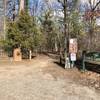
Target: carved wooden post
x=17 y=56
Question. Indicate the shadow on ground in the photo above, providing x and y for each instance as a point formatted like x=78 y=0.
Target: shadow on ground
x=78 y=64
x=59 y=64
x=88 y=66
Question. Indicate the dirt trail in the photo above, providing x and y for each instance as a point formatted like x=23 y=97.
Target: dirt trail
x=40 y=79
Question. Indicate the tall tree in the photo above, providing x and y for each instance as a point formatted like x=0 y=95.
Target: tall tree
x=91 y=9
x=67 y=8
x=12 y=9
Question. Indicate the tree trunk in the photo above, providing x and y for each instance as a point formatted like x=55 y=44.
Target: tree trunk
x=61 y=55
x=22 y=6
x=66 y=35
x=5 y=19
x=56 y=46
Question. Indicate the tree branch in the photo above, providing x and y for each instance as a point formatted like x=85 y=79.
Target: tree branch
x=96 y=5
x=62 y=3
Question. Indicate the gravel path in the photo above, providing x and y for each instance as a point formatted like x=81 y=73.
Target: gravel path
x=40 y=79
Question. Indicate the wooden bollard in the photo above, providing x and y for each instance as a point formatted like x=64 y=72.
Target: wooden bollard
x=17 y=56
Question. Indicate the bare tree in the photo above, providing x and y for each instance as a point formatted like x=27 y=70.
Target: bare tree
x=91 y=19
x=67 y=7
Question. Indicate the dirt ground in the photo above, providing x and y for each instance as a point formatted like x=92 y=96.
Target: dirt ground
x=42 y=79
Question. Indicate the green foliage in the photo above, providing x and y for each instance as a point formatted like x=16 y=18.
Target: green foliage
x=75 y=24
x=23 y=33
x=26 y=28
x=49 y=30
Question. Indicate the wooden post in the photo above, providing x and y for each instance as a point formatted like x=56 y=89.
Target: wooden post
x=17 y=56
x=30 y=54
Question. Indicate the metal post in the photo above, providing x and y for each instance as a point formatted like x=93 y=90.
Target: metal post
x=83 y=61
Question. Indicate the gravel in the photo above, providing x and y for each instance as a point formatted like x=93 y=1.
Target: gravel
x=31 y=80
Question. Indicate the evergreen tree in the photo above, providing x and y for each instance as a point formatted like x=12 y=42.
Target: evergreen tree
x=23 y=33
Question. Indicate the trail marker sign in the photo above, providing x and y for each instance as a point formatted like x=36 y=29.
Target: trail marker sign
x=73 y=56
x=73 y=48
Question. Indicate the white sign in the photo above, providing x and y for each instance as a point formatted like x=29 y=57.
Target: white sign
x=73 y=56
x=98 y=21
x=71 y=40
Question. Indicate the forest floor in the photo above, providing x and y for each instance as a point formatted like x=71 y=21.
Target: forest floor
x=42 y=79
